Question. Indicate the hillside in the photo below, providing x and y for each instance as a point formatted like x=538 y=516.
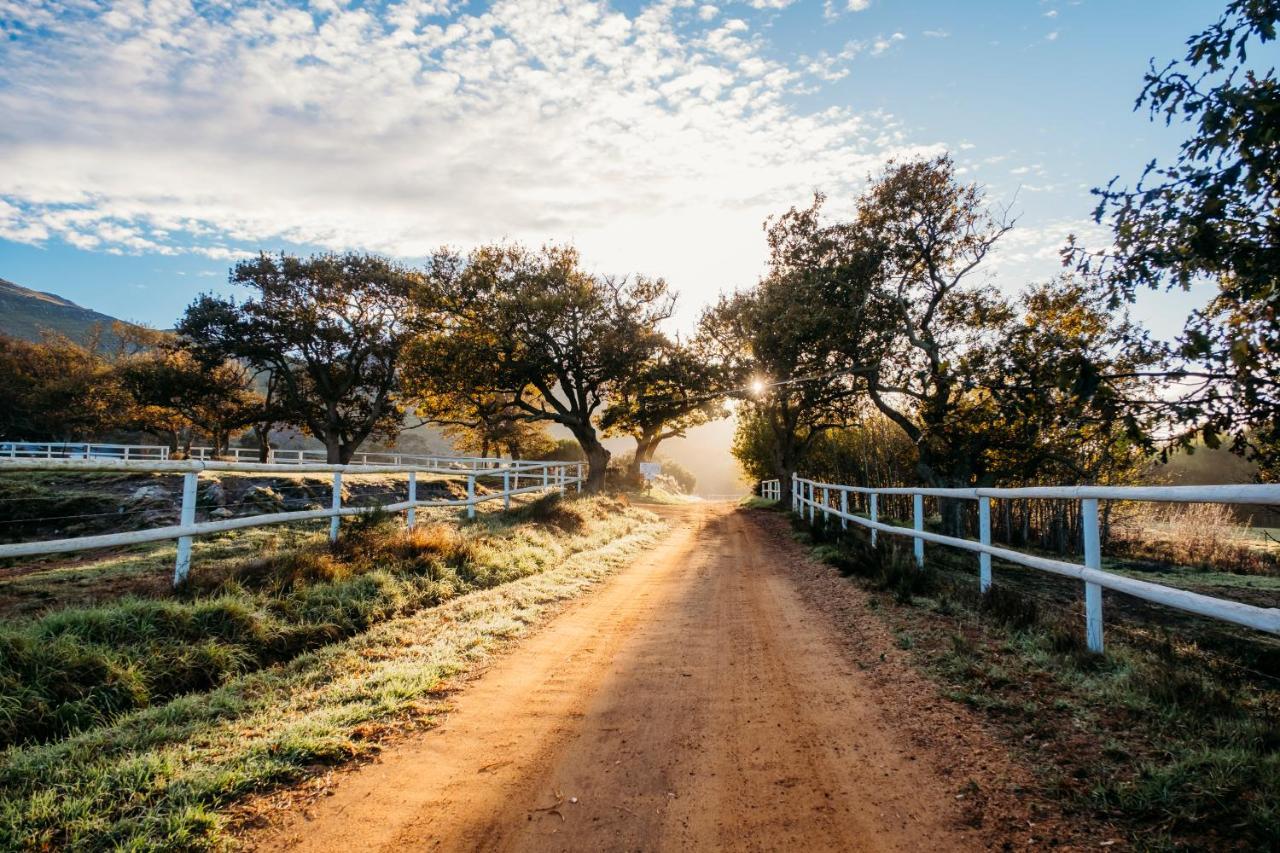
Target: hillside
x=26 y=314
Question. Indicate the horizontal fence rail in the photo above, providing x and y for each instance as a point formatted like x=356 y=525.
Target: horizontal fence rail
x=815 y=497
x=299 y=457
x=519 y=478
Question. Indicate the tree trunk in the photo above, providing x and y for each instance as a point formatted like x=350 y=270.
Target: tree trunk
x=644 y=453
x=597 y=458
x=333 y=450
x=263 y=434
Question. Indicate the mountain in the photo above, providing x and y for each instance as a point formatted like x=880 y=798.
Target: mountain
x=26 y=313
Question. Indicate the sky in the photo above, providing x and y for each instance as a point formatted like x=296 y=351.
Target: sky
x=146 y=146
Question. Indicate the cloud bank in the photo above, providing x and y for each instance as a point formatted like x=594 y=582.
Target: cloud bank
x=656 y=141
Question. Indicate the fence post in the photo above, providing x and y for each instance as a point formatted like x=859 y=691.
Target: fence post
x=562 y=476
x=984 y=537
x=506 y=489
x=813 y=502
x=335 y=504
x=413 y=498
x=1092 y=560
x=875 y=517
x=471 y=496
x=182 y=567
x=826 y=503
x=545 y=468
x=918 y=512
x=795 y=493
x=844 y=509
x=579 y=477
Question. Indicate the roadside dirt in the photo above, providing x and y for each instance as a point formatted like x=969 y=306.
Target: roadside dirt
x=705 y=698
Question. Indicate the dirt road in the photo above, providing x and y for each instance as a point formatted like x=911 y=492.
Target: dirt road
x=693 y=702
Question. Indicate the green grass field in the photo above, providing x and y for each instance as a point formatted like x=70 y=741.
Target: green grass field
x=136 y=723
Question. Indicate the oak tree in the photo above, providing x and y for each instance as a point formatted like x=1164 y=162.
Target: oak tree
x=330 y=329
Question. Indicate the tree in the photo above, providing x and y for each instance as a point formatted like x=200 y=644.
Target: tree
x=480 y=422
x=170 y=386
x=933 y=321
x=1069 y=383
x=774 y=342
x=674 y=391
x=1211 y=215
x=536 y=330
x=888 y=313
x=331 y=330
x=57 y=390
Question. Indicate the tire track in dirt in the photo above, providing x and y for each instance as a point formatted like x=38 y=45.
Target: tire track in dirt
x=693 y=702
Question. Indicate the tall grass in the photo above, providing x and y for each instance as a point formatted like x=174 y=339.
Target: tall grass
x=1208 y=537
x=77 y=668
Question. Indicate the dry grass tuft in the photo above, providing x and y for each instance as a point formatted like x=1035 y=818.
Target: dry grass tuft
x=1208 y=537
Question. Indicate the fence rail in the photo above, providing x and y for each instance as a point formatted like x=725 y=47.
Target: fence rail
x=299 y=457
x=535 y=476
x=804 y=496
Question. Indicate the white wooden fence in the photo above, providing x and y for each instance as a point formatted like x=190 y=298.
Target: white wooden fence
x=771 y=490
x=298 y=457
x=159 y=452
x=517 y=479
x=80 y=450
x=817 y=497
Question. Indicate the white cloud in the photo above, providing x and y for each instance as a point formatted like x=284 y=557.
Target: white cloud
x=936 y=34
x=653 y=146
x=883 y=43
x=707 y=12
x=831 y=13
x=1034 y=253
x=1053 y=36
x=1052 y=13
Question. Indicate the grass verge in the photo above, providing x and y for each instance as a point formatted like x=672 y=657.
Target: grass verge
x=1175 y=742
x=156 y=778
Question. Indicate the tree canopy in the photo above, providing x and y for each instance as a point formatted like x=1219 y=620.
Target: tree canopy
x=330 y=329
x=1211 y=215
x=676 y=389
x=534 y=329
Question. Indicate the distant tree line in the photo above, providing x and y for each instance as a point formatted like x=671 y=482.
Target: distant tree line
x=492 y=347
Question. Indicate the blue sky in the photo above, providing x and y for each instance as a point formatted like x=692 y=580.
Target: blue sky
x=147 y=145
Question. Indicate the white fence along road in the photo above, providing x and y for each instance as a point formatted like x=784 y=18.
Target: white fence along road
x=159 y=452
x=805 y=496
x=536 y=476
